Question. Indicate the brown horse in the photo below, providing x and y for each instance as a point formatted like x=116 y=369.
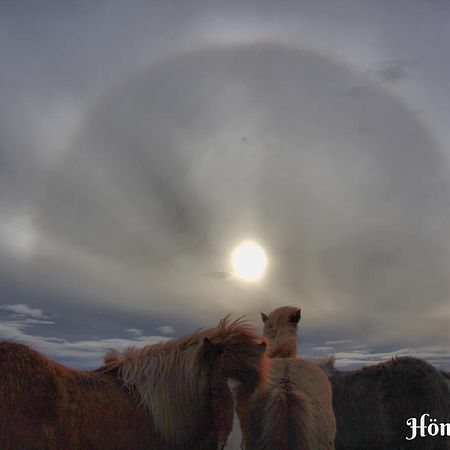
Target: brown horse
x=447 y=378
x=372 y=404
x=173 y=395
x=295 y=409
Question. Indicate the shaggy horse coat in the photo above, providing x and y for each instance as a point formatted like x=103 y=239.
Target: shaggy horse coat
x=447 y=377
x=168 y=396
x=295 y=410
x=372 y=404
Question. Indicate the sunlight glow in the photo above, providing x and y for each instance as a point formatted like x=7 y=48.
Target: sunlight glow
x=249 y=261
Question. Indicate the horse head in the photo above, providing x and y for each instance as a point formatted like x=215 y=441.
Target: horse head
x=280 y=327
x=239 y=362
x=284 y=319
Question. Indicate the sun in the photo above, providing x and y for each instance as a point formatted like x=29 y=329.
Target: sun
x=249 y=261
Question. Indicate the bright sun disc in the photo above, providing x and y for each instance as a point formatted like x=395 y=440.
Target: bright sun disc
x=249 y=261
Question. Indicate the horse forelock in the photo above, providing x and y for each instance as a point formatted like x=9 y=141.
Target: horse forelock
x=242 y=352
x=234 y=333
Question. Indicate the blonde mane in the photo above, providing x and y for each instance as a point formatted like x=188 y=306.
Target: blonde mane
x=172 y=378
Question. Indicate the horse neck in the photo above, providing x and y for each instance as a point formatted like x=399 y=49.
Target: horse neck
x=284 y=345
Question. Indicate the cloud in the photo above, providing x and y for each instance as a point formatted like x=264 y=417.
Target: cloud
x=391 y=72
x=134 y=332
x=323 y=348
x=24 y=310
x=394 y=71
x=341 y=341
x=437 y=355
x=85 y=353
x=166 y=329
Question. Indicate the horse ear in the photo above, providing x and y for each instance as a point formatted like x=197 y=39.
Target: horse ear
x=295 y=317
x=264 y=317
x=262 y=347
x=211 y=350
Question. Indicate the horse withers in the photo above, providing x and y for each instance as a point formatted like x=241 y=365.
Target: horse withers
x=168 y=396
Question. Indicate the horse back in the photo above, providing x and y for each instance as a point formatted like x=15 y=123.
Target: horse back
x=27 y=398
x=44 y=405
x=295 y=411
x=308 y=378
x=373 y=404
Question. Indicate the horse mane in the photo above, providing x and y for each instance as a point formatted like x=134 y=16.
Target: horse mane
x=287 y=348
x=171 y=378
x=328 y=364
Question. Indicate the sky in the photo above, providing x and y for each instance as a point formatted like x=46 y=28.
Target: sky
x=141 y=141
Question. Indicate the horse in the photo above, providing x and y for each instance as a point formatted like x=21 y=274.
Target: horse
x=372 y=404
x=294 y=410
x=168 y=396
x=447 y=377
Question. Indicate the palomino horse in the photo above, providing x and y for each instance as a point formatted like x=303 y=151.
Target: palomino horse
x=173 y=395
x=372 y=404
x=294 y=411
